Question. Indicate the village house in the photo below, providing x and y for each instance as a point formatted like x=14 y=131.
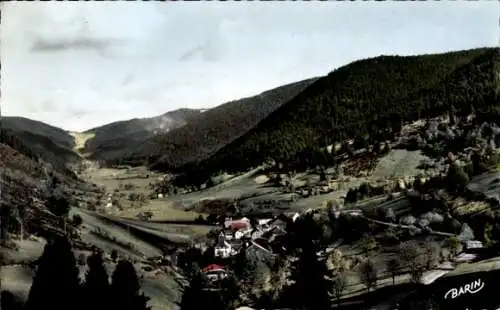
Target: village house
x=264 y=223
x=243 y=223
x=258 y=251
x=237 y=229
x=278 y=222
x=223 y=248
x=214 y=272
x=247 y=232
x=473 y=246
x=256 y=233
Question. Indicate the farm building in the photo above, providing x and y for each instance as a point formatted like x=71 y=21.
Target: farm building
x=242 y=223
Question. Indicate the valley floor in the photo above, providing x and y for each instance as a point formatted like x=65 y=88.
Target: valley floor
x=117 y=227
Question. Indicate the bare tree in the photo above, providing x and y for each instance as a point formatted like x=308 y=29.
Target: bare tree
x=394 y=268
x=453 y=245
x=338 y=285
x=368 y=245
x=368 y=274
x=390 y=215
x=416 y=272
x=408 y=252
x=431 y=253
x=415 y=259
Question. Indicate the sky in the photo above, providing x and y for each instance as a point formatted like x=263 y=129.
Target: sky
x=77 y=65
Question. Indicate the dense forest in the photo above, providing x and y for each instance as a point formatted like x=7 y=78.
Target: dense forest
x=367 y=98
x=40 y=141
x=21 y=124
x=114 y=139
x=211 y=130
x=30 y=179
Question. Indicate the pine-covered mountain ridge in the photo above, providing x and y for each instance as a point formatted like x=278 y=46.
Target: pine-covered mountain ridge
x=359 y=100
x=363 y=99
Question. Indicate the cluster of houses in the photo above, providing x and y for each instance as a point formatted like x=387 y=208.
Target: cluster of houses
x=235 y=232
x=258 y=238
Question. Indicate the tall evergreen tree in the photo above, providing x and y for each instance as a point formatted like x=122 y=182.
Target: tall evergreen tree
x=56 y=285
x=125 y=288
x=193 y=295
x=9 y=302
x=96 y=287
x=310 y=289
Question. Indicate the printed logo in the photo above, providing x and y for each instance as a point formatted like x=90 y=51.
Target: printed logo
x=471 y=288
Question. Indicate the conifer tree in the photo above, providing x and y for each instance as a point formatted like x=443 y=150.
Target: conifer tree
x=310 y=289
x=125 y=288
x=56 y=284
x=96 y=287
x=9 y=302
x=193 y=295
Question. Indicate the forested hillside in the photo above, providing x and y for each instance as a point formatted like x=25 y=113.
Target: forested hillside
x=21 y=124
x=363 y=99
x=52 y=144
x=114 y=139
x=211 y=130
x=27 y=181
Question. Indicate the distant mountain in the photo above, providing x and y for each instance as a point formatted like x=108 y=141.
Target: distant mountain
x=52 y=144
x=211 y=130
x=112 y=139
x=361 y=99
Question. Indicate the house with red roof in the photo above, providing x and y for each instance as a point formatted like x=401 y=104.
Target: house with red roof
x=214 y=272
x=235 y=225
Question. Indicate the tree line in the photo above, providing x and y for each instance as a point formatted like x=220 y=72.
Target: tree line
x=57 y=285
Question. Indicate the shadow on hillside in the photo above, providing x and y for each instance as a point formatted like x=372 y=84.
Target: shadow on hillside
x=147 y=237
x=375 y=297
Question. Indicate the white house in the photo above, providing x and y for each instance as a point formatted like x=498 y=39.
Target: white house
x=224 y=250
x=473 y=244
x=264 y=222
x=242 y=233
x=257 y=233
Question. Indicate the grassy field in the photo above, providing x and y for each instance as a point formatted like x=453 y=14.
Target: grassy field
x=398 y=164
x=162 y=210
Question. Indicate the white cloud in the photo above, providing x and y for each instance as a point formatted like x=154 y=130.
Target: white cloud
x=82 y=64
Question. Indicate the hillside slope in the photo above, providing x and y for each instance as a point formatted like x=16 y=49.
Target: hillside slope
x=52 y=144
x=24 y=179
x=112 y=139
x=363 y=99
x=213 y=129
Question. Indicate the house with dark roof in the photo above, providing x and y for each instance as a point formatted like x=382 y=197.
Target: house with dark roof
x=257 y=250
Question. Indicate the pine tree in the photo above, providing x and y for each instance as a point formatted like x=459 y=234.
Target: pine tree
x=57 y=279
x=9 y=302
x=193 y=296
x=310 y=289
x=96 y=287
x=125 y=288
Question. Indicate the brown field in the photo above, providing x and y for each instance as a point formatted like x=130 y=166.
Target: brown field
x=162 y=209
